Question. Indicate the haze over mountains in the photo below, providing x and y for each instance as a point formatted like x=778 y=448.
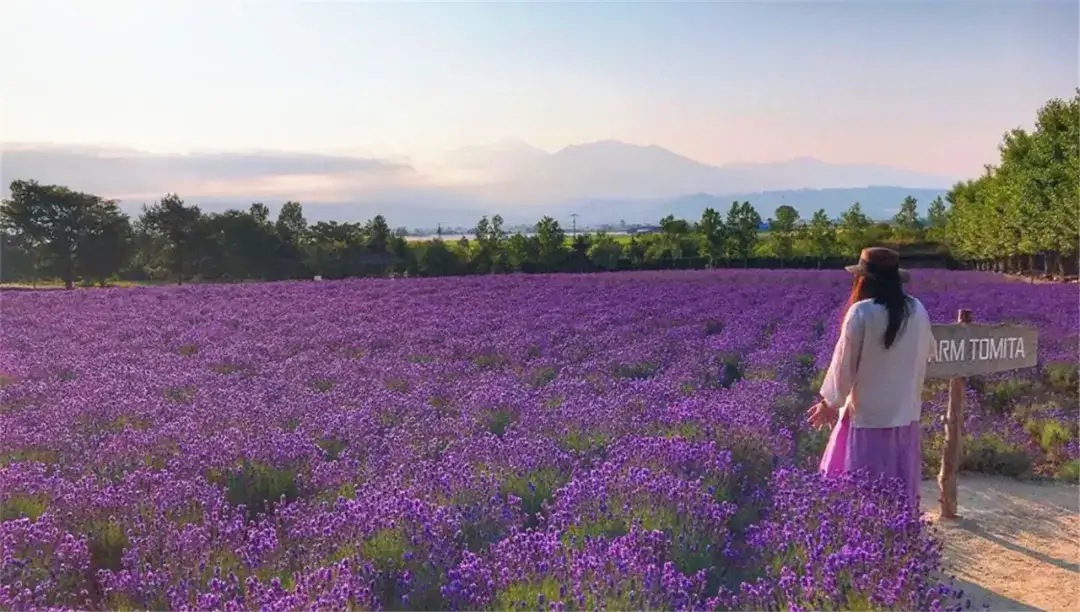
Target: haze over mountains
x=604 y=182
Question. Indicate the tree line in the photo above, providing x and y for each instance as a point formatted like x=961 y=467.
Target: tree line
x=1023 y=210
x=52 y=231
x=1026 y=207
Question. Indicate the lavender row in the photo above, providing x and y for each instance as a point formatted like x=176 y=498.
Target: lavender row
x=618 y=441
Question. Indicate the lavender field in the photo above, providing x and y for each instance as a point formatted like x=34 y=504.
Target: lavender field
x=620 y=441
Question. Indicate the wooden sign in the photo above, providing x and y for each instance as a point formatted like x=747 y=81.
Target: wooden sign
x=966 y=349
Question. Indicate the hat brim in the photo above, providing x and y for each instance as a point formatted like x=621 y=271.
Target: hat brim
x=857 y=270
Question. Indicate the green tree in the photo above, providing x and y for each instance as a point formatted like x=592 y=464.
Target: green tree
x=820 y=236
x=490 y=254
x=906 y=219
x=523 y=252
x=291 y=229
x=378 y=234
x=105 y=248
x=605 y=251
x=936 y=219
x=676 y=237
x=782 y=232
x=54 y=221
x=177 y=224
x=550 y=240
x=436 y=259
x=1028 y=204
x=743 y=223
x=1054 y=170
x=712 y=237
x=853 y=230
x=291 y=225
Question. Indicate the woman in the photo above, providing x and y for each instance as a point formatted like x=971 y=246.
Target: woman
x=874 y=383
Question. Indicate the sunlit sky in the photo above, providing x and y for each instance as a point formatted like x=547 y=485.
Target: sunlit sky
x=924 y=85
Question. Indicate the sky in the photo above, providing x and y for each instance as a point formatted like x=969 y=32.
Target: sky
x=928 y=86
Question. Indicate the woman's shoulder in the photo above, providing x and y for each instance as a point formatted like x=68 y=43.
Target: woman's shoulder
x=865 y=305
x=916 y=302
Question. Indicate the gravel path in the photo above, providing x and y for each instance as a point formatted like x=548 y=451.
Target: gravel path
x=1016 y=545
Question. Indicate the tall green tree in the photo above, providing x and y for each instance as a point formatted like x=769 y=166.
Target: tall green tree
x=853 y=230
x=378 y=234
x=820 y=236
x=744 y=222
x=1055 y=172
x=712 y=241
x=605 y=251
x=55 y=220
x=550 y=240
x=490 y=254
x=936 y=219
x=107 y=245
x=1027 y=205
x=906 y=219
x=782 y=232
x=178 y=224
x=291 y=229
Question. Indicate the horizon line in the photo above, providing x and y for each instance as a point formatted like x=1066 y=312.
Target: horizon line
x=88 y=148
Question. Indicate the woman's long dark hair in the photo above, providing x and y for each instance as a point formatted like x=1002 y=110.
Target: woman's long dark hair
x=887 y=290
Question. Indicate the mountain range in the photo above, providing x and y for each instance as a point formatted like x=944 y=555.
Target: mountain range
x=602 y=182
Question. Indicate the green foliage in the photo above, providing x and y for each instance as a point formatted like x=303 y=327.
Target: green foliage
x=542 y=376
x=742 y=226
x=107 y=542
x=991 y=454
x=854 y=227
x=397 y=384
x=533 y=488
x=1070 y=472
x=323 y=385
x=820 y=235
x=1000 y=396
x=390 y=552
x=605 y=252
x=712 y=237
x=490 y=361
x=180 y=395
x=23 y=506
x=498 y=419
x=528 y=595
x=1029 y=203
x=1050 y=434
x=1063 y=377
x=635 y=371
x=332 y=448
x=65 y=231
x=906 y=221
x=30 y=453
x=257 y=486
x=782 y=232
x=729 y=370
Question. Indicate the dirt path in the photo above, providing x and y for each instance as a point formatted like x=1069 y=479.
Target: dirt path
x=1016 y=545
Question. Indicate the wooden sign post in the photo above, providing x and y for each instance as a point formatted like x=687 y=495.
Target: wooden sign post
x=964 y=349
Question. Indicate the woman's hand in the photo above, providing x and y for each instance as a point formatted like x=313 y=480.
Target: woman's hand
x=821 y=415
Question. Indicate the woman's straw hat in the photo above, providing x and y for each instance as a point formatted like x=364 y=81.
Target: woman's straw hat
x=876 y=262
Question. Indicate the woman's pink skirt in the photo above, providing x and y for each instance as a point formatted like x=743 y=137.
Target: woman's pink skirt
x=894 y=452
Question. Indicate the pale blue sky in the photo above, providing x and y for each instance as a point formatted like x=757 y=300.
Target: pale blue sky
x=925 y=85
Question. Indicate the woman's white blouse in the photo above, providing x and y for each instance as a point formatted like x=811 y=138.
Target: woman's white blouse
x=880 y=387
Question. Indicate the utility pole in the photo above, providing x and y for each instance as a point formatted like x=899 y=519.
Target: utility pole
x=573 y=224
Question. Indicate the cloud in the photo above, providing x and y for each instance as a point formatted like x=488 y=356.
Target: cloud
x=127 y=174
